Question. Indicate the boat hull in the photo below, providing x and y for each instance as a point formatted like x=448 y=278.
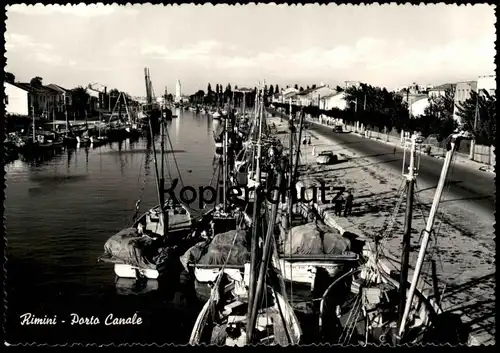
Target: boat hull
x=128 y=271
x=201 y=323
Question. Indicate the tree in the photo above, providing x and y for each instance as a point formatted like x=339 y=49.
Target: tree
x=9 y=77
x=36 y=81
x=438 y=116
x=301 y=89
x=296 y=86
x=478 y=115
x=228 y=93
x=271 y=90
x=339 y=89
x=276 y=89
x=80 y=100
x=313 y=86
x=308 y=88
x=209 y=89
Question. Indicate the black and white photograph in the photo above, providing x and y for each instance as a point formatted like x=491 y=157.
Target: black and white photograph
x=249 y=174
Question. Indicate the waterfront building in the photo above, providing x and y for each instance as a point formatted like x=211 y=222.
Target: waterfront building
x=63 y=96
x=16 y=99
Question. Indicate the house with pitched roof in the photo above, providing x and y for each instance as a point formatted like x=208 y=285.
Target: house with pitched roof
x=335 y=100
x=63 y=97
x=16 y=99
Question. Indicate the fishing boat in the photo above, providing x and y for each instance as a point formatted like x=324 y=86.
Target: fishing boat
x=226 y=217
x=223 y=321
x=309 y=250
x=376 y=304
x=84 y=139
x=217 y=115
x=100 y=139
x=236 y=315
x=146 y=249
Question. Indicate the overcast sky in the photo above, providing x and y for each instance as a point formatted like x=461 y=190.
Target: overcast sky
x=385 y=45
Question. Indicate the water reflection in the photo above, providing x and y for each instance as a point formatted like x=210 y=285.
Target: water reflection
x=88 y=195
x=130 y=286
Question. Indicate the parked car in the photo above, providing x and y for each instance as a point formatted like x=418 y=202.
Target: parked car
x=327 y=157
x=338 y=128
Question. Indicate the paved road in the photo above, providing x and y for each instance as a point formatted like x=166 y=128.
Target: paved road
x=466 y=183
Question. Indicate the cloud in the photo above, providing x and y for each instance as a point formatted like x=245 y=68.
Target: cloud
x=202 y=50
x=31 y=49
x=82 y=10
x=16 y=41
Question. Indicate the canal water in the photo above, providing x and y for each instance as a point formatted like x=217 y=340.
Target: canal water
x=60 y=211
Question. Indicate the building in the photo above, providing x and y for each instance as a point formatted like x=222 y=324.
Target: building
x=356 y=84
x=63 y=96
x=441 y=90
x=419 y=105
x=487 y=83
x=17 y=99
x=287 y=94
x=312 y=96
x=335 y=100
x=321 y=91
x=178 y=92
x=462 y=93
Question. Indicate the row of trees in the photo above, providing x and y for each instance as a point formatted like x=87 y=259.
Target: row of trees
x=375 y=107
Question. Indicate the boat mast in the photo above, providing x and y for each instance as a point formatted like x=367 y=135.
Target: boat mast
x=295 y=166
x=34 y=128
x=291 y=127
x=452 y=146
x=268 y=246
x=405 y=258
x=224 y=163
x=158 y=183
x=162 y=175
x=254 y=250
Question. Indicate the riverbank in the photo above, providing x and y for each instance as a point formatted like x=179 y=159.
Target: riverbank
x=465 y=257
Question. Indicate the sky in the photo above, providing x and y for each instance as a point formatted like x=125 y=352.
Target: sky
x=383 y=45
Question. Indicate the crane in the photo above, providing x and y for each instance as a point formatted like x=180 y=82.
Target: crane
x=103 y=90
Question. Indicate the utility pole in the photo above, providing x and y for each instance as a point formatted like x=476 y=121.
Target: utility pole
x=476 y=118
x=405 y=258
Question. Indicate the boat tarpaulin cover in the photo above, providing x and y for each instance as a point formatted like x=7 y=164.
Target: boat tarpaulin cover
x=217 y=251
x=314 y=239
x=128 y=247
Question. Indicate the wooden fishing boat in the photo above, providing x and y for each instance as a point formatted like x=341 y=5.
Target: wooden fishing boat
x=148 y=247
x=235 y=314
x=150 y=224
x=223 y=320
x=83 y=140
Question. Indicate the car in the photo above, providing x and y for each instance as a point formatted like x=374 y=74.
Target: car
x=327 y=157
x=338 y=128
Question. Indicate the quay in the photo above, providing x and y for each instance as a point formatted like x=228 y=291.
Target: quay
x=467 y=291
